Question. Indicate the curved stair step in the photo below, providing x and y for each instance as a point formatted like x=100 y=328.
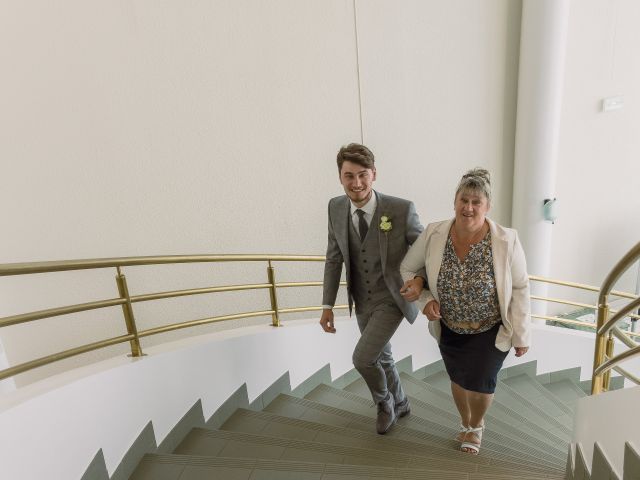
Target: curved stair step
x=219 y=443
x=314 y=411
x=561 y=424
x=190 y=467
x=500 y=419
x=510 y=398
x=566 y=390
x=330 y=434
x=493 y=443
x=536 y=392
x=277 y=425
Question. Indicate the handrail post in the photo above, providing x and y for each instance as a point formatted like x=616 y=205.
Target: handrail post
x=275 y=317
x=127 y=310
x=606 y=378
x=597 y=385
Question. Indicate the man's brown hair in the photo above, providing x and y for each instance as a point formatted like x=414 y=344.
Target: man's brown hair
x=356 y=153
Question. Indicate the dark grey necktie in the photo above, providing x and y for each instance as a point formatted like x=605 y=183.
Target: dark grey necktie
x=362 y=224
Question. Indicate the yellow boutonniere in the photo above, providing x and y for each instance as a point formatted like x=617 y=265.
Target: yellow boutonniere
x=385 y=223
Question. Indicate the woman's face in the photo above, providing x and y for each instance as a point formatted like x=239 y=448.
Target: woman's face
x=471 y=207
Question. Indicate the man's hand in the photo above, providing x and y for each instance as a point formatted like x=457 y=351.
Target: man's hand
x=411 y=289
x=432 y=310
x=326 y=321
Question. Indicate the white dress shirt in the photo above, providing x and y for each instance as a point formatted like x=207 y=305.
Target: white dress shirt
x=368 y=208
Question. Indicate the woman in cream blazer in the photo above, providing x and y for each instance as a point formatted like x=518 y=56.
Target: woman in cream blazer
x=483 y=308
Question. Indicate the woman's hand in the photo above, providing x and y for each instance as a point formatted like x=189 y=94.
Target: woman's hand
x=520 y=351
x=411 y=289
x=432 y=311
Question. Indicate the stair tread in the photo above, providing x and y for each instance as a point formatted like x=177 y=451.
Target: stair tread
x=193 y=467
x=500 y=419
x=566 y=390
x=277 y=425
x=509 y=397
x=492 y=441
x=330 y=434
x=208 y=442
x=309 y=410
x=536 y=391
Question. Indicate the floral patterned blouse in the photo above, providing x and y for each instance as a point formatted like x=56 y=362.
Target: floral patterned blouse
x=467 y=289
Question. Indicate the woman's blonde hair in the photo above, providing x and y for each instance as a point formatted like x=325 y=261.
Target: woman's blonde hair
x=475 y=180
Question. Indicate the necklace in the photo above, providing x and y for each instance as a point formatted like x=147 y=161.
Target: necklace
x=475 y=237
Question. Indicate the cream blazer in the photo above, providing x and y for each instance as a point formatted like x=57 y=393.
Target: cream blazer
x=510 y=270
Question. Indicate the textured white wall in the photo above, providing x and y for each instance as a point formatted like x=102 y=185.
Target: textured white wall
x=598 y=181
x=439 y=83
x=141 y=128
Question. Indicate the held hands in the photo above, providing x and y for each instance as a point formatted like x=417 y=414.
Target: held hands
x=326 y=321
x=411 y=289
x=432 y=311
x=520 y=351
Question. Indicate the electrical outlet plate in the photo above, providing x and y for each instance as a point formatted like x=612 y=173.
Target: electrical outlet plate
x=610 y=104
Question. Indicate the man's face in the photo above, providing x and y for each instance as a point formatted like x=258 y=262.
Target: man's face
x=357 y=182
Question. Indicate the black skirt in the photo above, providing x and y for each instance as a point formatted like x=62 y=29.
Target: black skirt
x=472 y=360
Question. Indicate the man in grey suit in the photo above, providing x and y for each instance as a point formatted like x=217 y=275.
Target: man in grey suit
x=370 y=233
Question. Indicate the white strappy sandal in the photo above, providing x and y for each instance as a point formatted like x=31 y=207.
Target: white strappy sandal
x=462 y=431
x=473 y=448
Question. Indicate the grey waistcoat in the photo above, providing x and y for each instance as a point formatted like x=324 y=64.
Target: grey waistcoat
x=367 y=283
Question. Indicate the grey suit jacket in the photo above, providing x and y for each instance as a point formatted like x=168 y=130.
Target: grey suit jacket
x=394 y=244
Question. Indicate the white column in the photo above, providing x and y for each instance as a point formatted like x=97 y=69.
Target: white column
x=540 y=84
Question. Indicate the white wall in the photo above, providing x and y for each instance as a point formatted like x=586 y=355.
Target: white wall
x=598 y=170
x=137 y=128
x=439 y=84
x=141 y=128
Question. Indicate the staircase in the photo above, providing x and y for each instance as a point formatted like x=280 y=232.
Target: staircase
x=326 y=430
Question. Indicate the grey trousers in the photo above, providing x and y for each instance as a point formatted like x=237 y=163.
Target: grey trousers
x=372 y=356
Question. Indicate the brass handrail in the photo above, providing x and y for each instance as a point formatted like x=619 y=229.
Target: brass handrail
x=197 y=291
x=583 y=305
x=603 y=358
x=66 y=265
x=54 y=312
x=203 y=321
x=39 y=362
x=126 y=301
x=626 y=374
x=580 y=286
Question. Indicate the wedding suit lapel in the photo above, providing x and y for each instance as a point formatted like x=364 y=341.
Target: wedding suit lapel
x=343 y=217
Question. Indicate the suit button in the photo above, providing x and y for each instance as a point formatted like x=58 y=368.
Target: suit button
x=366 y=271
x=367 y=281
x=368 y=291
x=363 y=250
